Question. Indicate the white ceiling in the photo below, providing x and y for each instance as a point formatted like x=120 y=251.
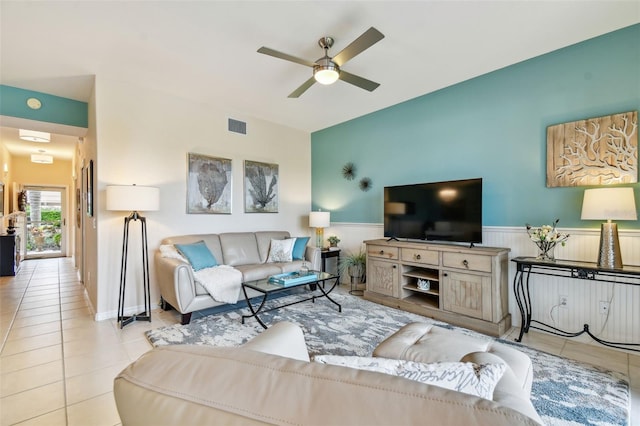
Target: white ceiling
x=205 y=51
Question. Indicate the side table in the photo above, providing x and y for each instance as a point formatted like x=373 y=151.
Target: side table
x=326 y=254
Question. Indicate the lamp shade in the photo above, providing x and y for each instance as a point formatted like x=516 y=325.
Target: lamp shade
x=133 y=198
x=609 y=204
x=319 y=219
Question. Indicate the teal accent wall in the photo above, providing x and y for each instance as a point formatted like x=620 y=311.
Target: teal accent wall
x=492 y=126
x=55 y=109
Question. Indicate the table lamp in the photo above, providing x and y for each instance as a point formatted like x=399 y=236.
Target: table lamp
x=610 y=204
x=319 y=220
x=133 y=198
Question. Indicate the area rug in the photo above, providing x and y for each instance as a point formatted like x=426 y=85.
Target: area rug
x=564 y=392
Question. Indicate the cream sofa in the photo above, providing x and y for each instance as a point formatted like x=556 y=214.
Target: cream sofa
x=270 y=380
x=246 y=251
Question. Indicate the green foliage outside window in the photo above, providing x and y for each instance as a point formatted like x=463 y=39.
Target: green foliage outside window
x=51 y=215
x=45 y=235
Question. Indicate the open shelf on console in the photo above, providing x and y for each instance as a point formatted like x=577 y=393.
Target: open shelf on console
x=409 y=283
x=415 y=288
x=422 y=273
x=418 y=299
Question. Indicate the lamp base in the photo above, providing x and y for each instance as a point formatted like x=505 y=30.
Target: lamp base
x=319 y=237
x=609 y=256
x=146 y=315
x=143 y=316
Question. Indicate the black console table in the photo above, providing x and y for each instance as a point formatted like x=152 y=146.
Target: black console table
x=8 y=255
x=569 y=269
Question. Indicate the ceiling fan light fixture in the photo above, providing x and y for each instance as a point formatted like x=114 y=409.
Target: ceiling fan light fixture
x=326 y=72
x=34 y=136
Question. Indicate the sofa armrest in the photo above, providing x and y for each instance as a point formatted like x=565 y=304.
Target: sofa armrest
x=176 y=282
x=283 y=338
x=509 y=391
x=313 y=255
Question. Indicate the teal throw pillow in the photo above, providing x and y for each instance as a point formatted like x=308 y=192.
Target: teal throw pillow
x=198 y=255
x=299 y=248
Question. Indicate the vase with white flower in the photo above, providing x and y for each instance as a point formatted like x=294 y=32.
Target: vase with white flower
x=547 y=237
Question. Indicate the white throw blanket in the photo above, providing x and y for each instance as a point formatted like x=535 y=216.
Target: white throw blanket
x=222 y=282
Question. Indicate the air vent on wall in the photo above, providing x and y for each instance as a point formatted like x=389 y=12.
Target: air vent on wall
x=237 y=126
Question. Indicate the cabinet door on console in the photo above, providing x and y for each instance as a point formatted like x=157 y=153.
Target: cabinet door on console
x=382 y=277
x=467 y=294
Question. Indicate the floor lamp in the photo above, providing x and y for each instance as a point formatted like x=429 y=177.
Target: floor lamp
x=133 y=198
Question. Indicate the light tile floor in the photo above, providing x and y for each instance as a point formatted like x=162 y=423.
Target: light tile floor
x=57 y=364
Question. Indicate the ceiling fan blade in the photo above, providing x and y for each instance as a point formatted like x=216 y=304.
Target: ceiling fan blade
x=303 y=88
x=362 y=43
x=363 y=83
x=286 y=57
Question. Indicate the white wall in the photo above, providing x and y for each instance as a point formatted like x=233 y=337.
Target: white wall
x=144 y=137
x=87 y=259
x=621 y=325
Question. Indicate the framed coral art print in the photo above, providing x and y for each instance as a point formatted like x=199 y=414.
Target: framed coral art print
x=208 y=185
x=260 y=187
x=594 y=151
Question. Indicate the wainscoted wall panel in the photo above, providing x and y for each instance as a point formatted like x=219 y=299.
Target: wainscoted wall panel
x=621 y=324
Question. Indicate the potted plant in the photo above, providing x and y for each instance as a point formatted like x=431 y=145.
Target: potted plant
x=38 y=237
x=355 y=265
x=333 y=241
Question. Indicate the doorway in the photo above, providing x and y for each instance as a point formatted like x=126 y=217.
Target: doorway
x=46 y=222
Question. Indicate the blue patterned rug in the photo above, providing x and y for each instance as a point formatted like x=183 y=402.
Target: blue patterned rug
x=564 y=392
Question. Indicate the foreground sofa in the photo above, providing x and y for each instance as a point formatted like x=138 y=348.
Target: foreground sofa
x=270 y=380
x=246 y=251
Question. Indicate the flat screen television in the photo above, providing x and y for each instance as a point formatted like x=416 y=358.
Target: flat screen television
x=436 y=211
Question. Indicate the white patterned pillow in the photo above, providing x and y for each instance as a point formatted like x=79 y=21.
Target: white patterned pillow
x=467 y=377
x=281 y=250
x=170 y=251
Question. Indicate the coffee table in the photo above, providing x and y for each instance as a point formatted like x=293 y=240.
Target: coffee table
x=267 y=288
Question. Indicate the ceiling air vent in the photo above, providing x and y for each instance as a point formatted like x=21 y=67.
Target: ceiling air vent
x=237 y=126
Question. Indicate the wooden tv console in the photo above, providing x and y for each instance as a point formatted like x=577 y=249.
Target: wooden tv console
x=468 y=285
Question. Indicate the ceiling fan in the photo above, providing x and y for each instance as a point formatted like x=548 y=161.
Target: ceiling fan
x=326 y=70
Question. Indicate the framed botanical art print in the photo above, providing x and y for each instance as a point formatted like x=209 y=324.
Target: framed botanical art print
x=208 y=185
x=260 y=187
